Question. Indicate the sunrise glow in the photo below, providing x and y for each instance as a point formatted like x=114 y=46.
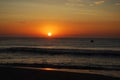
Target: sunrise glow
x=63 y=18
x=49 y=34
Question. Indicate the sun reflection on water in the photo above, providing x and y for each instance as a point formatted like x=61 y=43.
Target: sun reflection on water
x=48 y=69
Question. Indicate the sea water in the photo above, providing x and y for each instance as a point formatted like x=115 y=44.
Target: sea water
x=92 y=52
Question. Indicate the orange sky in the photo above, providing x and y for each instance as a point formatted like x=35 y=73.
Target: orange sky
x=61 y=29
x=63 y=18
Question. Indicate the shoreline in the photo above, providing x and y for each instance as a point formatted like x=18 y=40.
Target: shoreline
x=98 y=67
x=13 y=73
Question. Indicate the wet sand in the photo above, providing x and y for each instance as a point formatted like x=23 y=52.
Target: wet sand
x=8 y=73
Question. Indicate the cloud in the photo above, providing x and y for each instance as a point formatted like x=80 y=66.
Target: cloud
x=75 y=3
x=79 y=3
x=99 y=2
x=117 y=4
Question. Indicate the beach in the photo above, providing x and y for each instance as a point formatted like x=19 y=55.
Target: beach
x=13 y=73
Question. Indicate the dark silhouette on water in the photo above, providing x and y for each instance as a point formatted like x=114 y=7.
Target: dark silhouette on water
x=92 y=41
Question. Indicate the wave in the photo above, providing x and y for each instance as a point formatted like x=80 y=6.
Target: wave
x=54 y=51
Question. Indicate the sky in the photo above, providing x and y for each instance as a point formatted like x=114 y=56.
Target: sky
x=63 y=18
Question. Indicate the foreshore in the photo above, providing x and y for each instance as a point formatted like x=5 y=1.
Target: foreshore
x=13 y=73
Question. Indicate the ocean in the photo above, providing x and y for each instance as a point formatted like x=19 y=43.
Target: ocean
x=101 y=54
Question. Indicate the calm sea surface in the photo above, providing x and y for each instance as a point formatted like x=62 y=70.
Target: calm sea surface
x=63 y=45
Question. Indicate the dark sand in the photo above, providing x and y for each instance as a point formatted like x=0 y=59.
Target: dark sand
x=7 y=73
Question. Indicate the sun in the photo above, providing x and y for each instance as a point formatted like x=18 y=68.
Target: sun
x=49 y=34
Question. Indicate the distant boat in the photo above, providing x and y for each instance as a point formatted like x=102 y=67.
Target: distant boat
x=92 y=41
